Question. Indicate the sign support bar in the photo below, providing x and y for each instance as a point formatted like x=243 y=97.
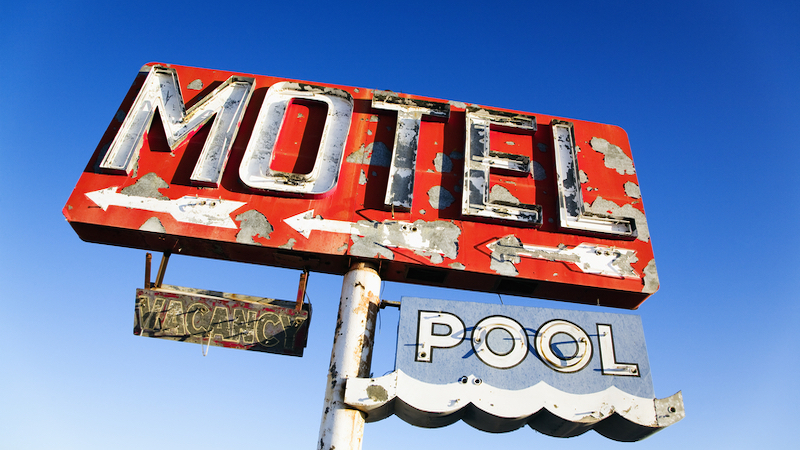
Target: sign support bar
x=351 y=356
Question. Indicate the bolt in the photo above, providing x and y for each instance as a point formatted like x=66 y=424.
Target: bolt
x=462 y=380
x=477 y=381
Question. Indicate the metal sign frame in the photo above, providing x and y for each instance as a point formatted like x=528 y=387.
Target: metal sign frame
x=310 y=176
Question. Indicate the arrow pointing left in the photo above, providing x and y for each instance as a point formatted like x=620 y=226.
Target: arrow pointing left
x=187 y=209
x=589 y=258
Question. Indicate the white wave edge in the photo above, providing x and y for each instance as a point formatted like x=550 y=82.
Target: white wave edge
x=365 y=394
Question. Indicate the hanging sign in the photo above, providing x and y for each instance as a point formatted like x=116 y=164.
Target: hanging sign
x=287 y=173
x=224 y=320
x=501 y=367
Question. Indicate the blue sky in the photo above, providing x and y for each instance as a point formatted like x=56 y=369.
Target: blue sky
x=707 y=92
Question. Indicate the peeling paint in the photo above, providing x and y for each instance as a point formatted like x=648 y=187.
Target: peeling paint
x=566 y=167
x=477 y=198
x=432 y=239
x=573 y=211
x=623 y=263
x=605 y=208
x=590 y=258
x=253 y=224
x=377 y=393
x=289 y=244
x=461 y=105
x=255 y=169
x=195 y=85
x=374 y=153
x=439 y=197
x=442 y=163
x=456 y=155
x=400 y=189
x=501 y=194
x=457 y=266
x=362 y=178
x=651 y=282
x=505 y=255
x=632 y=190
x=365 y=246
x=226 y=104
x=147 y=186
x=315 y=89
x=542 y=147
x=614 y=157
x=410 y=112
x=154 y=225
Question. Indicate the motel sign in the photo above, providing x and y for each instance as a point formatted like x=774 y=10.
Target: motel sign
x=311 y=176
x=377 y=185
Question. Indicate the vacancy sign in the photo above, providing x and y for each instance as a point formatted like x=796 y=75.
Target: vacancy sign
x=500 y=368
x=303 y=175
x=220 y=319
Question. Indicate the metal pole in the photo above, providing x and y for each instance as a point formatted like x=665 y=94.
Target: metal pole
x=342 y=428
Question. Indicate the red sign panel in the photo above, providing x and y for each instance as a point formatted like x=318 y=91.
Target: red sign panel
x=304 y=175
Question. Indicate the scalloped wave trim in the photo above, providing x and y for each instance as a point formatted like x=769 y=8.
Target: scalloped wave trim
x=612 y=412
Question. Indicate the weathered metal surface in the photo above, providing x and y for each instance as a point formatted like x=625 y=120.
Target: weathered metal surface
x=351 y=357
x=499 y=368
x=306 y=175
x=222 y=320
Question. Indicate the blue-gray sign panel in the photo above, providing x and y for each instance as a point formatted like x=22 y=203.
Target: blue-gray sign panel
x=514 y=347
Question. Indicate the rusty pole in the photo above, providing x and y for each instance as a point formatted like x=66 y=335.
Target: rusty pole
x=351 y=356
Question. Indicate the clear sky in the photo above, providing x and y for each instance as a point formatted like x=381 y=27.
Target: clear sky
x=707 y=91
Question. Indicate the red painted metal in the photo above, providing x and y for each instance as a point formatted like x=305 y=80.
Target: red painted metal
x=359 y=196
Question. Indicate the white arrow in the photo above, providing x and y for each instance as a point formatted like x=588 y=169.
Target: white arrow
x=412 y=236
x=590 y=258
x=305 y=222
x=196 y=210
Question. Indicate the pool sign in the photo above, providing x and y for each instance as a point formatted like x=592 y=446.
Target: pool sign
x=287 y=173
x=501 y=367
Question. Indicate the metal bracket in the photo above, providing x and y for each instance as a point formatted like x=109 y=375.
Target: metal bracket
x=301 y=290
x=393 y=304
x=162 y=268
